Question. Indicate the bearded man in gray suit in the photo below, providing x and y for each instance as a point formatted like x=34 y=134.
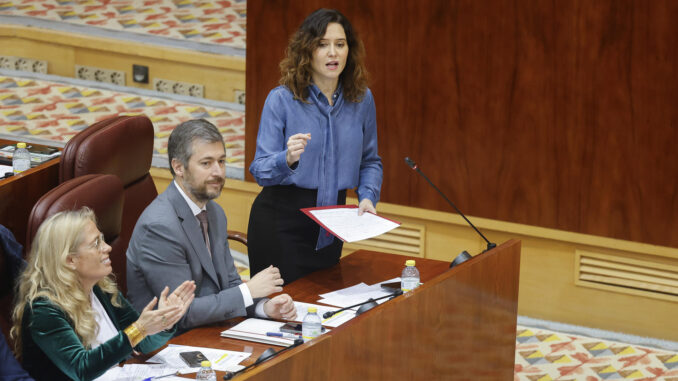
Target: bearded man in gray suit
x=182 y=235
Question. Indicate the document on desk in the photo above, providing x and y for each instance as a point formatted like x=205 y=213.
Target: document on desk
x=136 y=372
x=334 y=321
x=254 y=329
x=221 y=359
x=344 y=222
x=349 y=296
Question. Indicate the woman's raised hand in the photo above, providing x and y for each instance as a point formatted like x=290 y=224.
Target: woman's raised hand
x=295 y=147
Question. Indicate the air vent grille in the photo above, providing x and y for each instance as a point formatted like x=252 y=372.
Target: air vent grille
x=628 y=275
x=407 y=239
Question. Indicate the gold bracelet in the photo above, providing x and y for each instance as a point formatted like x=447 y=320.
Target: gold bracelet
x=134 y=335
x=141 y=328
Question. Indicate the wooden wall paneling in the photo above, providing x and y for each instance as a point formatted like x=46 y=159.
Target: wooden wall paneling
x=552 y=114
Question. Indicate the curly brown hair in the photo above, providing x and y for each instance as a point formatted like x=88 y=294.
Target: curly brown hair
x=296 y=66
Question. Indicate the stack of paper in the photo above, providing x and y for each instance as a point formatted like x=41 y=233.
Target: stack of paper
x=334 y=321
x=221 y=359
x=255 y=330
x=344 y=222
x=349 y=296
x=136 y=372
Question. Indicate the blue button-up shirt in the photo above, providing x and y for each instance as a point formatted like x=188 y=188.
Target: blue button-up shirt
x=341 y=154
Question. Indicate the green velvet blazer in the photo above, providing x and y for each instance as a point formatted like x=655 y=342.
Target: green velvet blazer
x=52 y=350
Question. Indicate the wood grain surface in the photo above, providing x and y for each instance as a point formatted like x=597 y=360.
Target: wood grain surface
x=556 y=114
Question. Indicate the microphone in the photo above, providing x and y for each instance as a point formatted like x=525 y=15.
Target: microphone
x=268 y=353
x=414 y=166
x=364 y=306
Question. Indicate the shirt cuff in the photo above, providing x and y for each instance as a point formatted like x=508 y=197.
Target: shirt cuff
x=367 y=194
x=246 y=295
x=281 y=163
x=259 y=309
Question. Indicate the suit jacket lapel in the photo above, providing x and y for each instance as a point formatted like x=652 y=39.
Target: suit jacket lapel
x=192 y=229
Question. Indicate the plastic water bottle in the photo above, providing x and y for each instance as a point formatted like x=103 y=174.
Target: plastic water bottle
x=409 y=280
x=21 y=159
x=312 y=325
x=206 y=373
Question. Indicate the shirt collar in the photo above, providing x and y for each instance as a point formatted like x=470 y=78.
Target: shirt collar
x=317 y=94
x=195 y=209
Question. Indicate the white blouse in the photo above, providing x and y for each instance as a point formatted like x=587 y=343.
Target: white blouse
x=107 y=329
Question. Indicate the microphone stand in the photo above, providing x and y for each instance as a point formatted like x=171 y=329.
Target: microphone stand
x=365 y=306
x=414 y=166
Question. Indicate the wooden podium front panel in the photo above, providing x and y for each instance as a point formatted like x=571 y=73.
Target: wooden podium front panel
x=461 y=324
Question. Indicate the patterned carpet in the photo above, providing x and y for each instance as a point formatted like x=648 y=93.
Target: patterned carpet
x=543 y=355
x=206 y=21
x=54 y=111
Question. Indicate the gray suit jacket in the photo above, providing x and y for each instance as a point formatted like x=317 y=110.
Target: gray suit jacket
x=167 y=248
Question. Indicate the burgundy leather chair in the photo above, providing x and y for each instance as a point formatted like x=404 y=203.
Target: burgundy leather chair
x=121 y=146
x=104 y=194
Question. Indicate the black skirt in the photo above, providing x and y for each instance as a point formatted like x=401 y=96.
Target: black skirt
x=281 y=235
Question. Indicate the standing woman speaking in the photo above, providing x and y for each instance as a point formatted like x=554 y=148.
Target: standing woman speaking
x=317 y=137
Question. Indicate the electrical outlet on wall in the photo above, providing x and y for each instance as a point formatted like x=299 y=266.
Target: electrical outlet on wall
x=239 y=96
x=176 y=87
x=180 y=88
x=117 y=77
x=40 y=66
x=84 y=72
x=23 y=64
x=100 y=75
x=7 y=62
x=162 y=85
x=196 y=91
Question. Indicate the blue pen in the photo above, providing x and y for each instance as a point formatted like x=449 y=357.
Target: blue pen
x=156 y=377
x=282 y=334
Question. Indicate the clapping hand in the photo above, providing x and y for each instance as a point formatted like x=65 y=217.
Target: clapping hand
x=170 y=309
x=182 y=296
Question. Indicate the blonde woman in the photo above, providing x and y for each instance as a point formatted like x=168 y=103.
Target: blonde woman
x=70 y=321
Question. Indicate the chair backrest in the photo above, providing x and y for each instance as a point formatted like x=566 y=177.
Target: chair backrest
x=104 y=194
x=121 y=146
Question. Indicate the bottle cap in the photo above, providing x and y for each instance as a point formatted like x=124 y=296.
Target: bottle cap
x=410 y=262
x=21 y=145
x=205 y=364
x=312 y=309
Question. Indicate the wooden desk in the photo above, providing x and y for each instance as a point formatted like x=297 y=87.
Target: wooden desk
x=20 y=192
x=461 y=324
